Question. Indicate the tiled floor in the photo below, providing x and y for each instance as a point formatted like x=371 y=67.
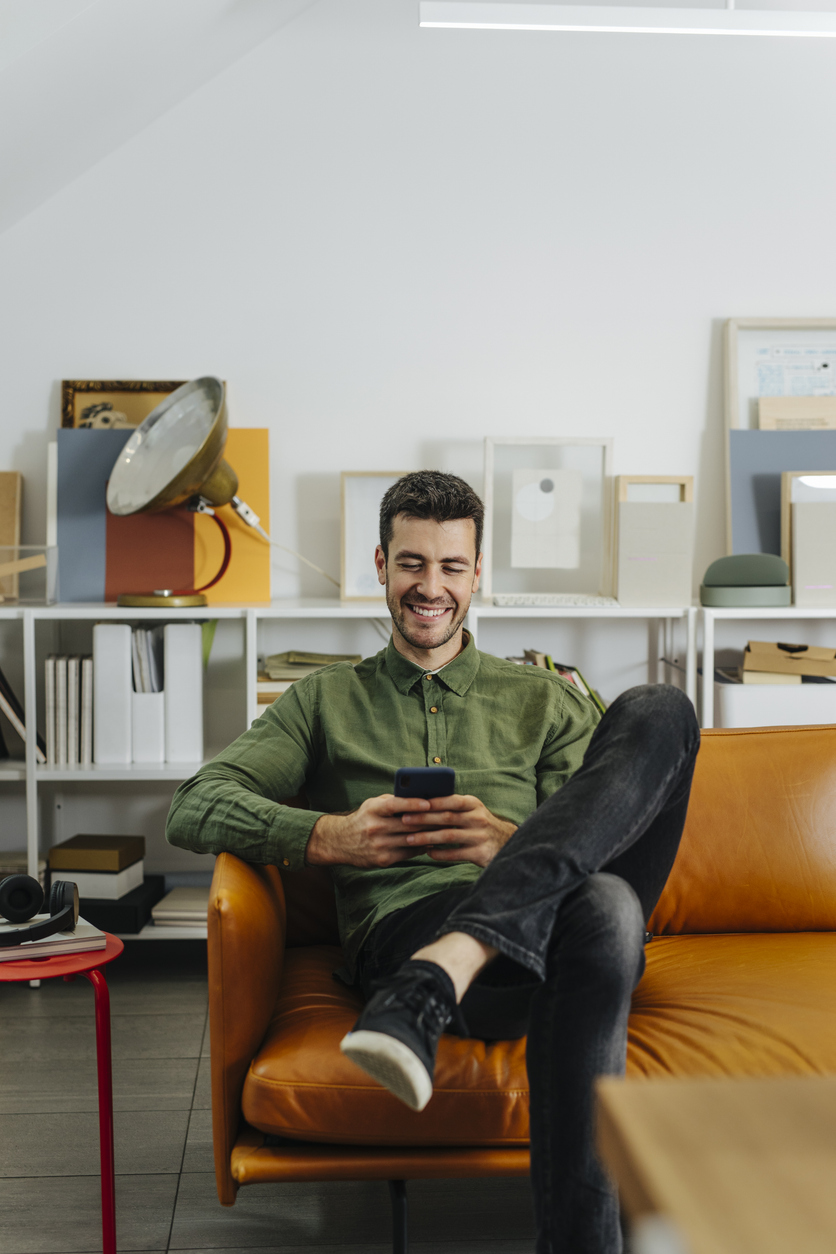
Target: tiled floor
x=165 y=1188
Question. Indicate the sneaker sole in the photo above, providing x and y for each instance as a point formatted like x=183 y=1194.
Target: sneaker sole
x=392 y=1064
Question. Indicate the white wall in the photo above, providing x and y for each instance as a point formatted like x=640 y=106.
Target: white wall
x=393 y=242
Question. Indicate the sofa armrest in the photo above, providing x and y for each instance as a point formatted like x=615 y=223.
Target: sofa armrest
x=246 y=942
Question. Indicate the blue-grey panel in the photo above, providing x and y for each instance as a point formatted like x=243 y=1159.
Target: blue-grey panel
x=85 y=460
x=756 y=461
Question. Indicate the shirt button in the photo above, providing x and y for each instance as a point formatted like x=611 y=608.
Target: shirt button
x=285 y=861
x=428 y=676
x=437 y=761
x=433 y=709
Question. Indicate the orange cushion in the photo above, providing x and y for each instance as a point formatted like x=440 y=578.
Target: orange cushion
x=758 y=852
x=708 y=1005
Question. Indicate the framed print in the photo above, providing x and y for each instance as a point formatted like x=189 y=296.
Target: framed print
x=111 y=403
x=361 y=493
x=780 y=410
x=548 y=516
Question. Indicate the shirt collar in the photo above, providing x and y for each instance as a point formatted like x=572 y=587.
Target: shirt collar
x=457 y=675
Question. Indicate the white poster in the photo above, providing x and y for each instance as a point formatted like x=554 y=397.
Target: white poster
x=795 y=371
x=546 y=518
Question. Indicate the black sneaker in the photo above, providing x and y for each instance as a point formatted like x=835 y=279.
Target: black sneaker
x=396 y=1037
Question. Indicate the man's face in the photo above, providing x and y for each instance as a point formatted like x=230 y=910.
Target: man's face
x=430 y=577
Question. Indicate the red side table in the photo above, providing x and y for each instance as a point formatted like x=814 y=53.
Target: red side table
x=69 y=966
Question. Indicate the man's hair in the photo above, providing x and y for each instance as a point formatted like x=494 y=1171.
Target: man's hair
x=430 y=494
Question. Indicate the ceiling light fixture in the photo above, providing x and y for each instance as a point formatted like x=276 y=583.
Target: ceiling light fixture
x=624 y=20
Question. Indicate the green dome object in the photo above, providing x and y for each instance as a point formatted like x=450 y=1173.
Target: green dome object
x=747 y=570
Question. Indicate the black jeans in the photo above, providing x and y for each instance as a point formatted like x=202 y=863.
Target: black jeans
x=565 y=902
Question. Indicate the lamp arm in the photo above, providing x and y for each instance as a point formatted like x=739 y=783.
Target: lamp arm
x=251 y=518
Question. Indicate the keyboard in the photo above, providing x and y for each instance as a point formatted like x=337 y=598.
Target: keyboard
x=556 y=600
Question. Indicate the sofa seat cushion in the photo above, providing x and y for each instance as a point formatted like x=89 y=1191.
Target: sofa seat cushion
x=754 y=1004
x=707 y=1005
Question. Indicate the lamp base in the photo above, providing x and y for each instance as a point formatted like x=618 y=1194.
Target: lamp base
x=161 y=600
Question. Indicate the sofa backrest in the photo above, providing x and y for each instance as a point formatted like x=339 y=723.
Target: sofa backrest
x=758 y=853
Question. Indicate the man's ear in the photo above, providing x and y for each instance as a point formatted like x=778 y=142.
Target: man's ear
x=477 y=573
x=380 y=563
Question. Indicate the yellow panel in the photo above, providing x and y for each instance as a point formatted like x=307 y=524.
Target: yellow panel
x=248 y=577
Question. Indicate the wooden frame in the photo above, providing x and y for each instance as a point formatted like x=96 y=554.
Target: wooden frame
x=605 y=443
x=686 y=484
x=731 y=380
x=346 y=524
x=622 y=484
x=138 y=396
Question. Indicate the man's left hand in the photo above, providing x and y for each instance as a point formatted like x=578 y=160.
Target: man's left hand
x=464 y=830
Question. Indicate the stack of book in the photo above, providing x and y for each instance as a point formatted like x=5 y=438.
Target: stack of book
x=532 y=657
x=69 y=710
x=283 y=669
x=182 y=907
x=114 y=892
x=85 y=936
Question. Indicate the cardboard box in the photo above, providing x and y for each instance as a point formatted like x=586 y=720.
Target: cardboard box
x=96 y=853
x=802 y=659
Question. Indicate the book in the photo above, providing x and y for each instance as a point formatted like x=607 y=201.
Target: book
x=61 y=711
x=13 y=710
x=183 y=907
x=86 y=729
x=107 y=885
x=16 y=862
x=536 y=658
x=268 y=689
x=96 y=853
x=49 y=698
x=130 y=913
x=73 y=684
x=85 y=937
x=296 y=664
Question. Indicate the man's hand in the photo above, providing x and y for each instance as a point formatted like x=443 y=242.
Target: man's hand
x=372 y=836
x=465 y=831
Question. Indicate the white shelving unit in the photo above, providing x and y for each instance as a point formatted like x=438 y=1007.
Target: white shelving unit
x=263 y=627
x=710 y=617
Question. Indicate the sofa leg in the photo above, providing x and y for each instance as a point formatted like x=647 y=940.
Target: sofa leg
x=400 y=1228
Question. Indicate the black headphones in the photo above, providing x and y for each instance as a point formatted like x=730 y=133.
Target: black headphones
x=21 y=897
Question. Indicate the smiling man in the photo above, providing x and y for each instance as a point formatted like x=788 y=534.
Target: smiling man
x=520 y=902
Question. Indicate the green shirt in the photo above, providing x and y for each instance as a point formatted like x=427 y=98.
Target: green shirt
x=513 y=734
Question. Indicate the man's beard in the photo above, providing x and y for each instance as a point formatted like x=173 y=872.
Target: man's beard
x=412 y=637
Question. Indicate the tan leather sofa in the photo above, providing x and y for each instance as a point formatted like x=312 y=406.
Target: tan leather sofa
x=740 y=980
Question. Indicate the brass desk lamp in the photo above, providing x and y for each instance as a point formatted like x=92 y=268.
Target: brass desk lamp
x=175 y=458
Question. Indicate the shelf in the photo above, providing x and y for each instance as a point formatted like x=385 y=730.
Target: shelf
x=154 y=931
x=136 y=771
x=321 y=607
x=770 y=611
x=573 y=611
x=105 y=611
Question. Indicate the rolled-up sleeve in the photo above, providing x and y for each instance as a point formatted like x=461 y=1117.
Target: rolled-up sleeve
x=235 y=802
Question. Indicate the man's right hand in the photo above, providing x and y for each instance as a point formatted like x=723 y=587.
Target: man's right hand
x=371 y=836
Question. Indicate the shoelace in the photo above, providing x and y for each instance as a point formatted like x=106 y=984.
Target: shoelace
x=421 y=998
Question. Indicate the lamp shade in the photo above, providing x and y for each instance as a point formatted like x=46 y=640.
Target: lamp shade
x=176 y=454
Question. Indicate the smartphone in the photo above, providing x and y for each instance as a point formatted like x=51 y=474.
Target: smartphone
x=425 y=781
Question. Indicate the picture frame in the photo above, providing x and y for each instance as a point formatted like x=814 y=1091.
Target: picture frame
x=361 y=492
x=653 y=540
x=135 y=398
x=755 y=456
x=577 y=564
